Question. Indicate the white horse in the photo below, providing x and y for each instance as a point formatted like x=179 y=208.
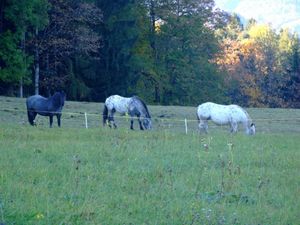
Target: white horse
x=134 y=106
x=223 y=115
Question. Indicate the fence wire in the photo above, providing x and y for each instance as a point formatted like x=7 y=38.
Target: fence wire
x=159 y=122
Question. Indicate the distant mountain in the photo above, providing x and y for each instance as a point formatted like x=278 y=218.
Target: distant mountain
x=278 y=13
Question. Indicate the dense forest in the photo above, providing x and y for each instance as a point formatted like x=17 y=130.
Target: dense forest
x=180 y=52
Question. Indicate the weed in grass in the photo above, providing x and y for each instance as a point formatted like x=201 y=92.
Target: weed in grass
x=39 y=216
x=206 y=142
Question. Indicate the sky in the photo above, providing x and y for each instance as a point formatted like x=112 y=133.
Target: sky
x=278 y=13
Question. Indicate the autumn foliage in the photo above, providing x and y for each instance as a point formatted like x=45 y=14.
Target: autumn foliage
x=259 y=65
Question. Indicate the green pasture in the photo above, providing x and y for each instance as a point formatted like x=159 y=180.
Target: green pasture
x=73 y=175
x=13 y=111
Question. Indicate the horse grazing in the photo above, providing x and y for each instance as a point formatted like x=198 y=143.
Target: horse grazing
x=134 y=106
x=223 y=115
x=51 y=106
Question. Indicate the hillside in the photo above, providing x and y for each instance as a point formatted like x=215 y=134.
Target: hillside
x=279 y=13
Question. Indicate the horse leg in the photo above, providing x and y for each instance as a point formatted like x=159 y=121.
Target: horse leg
x=206 y=127
x=30 y=117
x=131 y=114
x=140 y=122
x=51 y=120
x=233 y=127
x=33 y=117
x=203 y=125
x=58 y=119
x=111 y=118
x=131 y=123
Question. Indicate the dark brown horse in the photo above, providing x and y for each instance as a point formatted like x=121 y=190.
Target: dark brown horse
x=51 y=106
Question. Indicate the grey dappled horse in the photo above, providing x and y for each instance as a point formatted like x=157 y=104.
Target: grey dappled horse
x=52 y=106
x=134 y=106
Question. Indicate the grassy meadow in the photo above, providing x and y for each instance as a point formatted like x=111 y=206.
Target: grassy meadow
x=73 y=175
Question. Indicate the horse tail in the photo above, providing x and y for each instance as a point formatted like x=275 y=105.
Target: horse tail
x=30 y=117
x=29 y=114
x=105 y=115
x=198 y=118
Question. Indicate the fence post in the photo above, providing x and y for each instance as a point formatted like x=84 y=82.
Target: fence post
x=185 y=123
x=86 y=124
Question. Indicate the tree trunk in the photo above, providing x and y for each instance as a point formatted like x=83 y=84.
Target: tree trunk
x=37 y=65
x=21 y=79
x=2 y=7
x=47 y=76
x=152 y=18
x=21 y=88
x=157 y=94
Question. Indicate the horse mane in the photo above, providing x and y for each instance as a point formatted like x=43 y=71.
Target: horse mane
x=246 y=113
x=143 y=103
x=58 y=98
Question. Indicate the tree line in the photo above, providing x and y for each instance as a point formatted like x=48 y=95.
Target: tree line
x=165 y=51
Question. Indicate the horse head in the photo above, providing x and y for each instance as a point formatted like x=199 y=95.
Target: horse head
x=143 y=110
x=147 y=123
x=63 y=97
x=252 y=129
x=59 y=98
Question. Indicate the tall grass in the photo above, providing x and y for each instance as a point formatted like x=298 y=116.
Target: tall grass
x=74 y=175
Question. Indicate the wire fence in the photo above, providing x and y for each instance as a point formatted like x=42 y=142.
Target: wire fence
x=164 y=122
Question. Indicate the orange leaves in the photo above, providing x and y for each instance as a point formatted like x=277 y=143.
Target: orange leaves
x=229 y=59
x=254 y=59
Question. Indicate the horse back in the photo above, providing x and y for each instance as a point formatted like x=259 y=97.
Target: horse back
x=118 y=103
x=38 y=103
x=208 y=110
x=35 y=100
x=239 y=114
x=220 y=114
